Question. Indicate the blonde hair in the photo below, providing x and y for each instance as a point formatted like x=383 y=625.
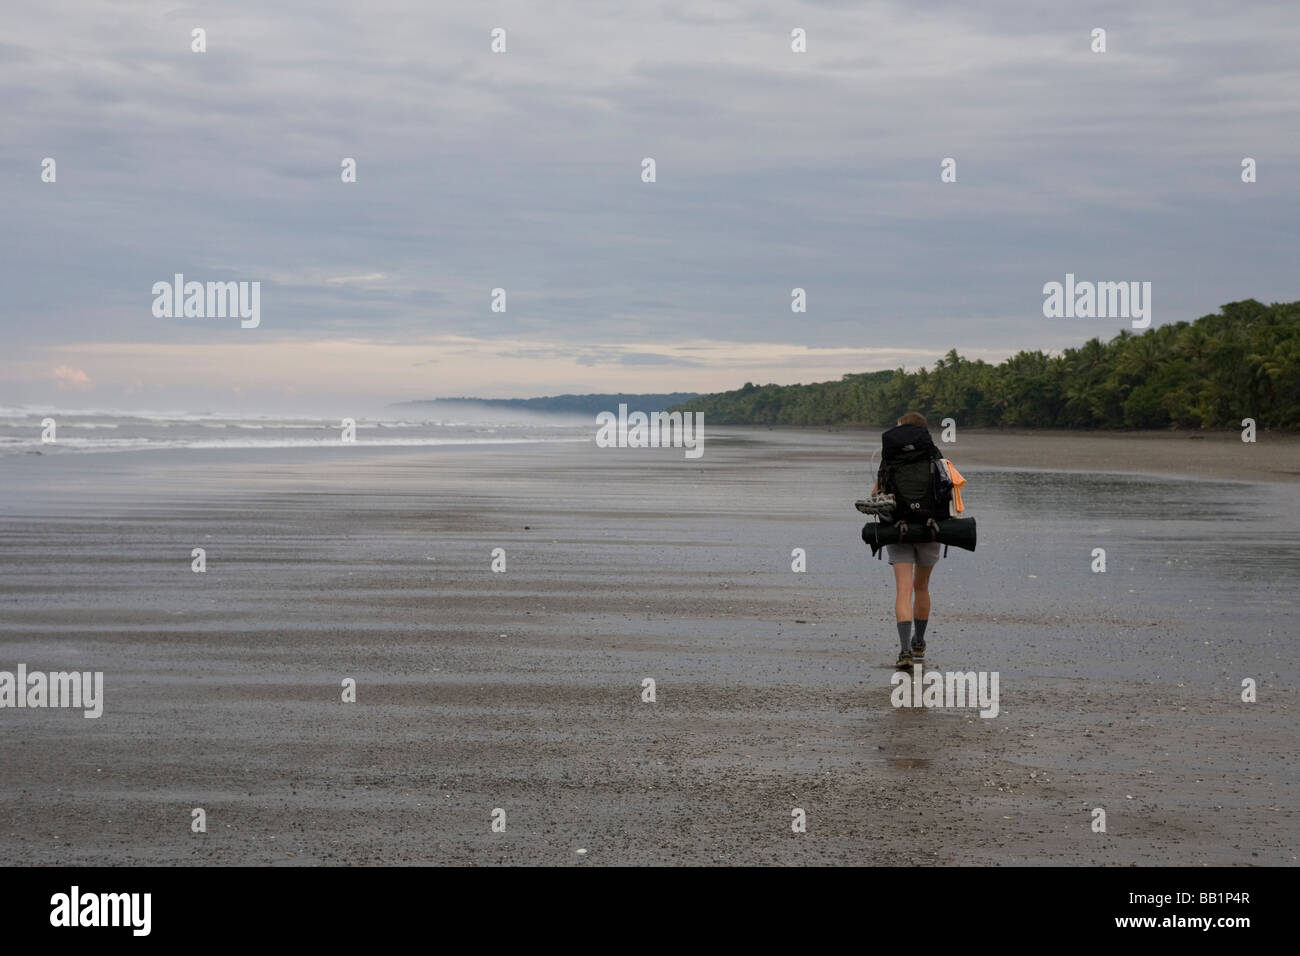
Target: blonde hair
x=914 y=418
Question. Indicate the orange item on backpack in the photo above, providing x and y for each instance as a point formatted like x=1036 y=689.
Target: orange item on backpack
x=957 y=482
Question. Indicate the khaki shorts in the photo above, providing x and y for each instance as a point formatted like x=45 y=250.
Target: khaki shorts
x=924 y=553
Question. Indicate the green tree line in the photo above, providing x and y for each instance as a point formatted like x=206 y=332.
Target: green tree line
x=1243 y=362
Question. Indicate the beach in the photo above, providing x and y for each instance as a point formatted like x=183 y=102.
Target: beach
x=522 y=690
x=1273 y=456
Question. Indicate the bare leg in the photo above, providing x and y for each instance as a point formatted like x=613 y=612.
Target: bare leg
x=920 y=593
x=903 y=591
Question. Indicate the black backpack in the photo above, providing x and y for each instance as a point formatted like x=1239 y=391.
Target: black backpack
x=910 y=471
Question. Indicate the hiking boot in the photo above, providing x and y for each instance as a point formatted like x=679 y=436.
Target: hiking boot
x=904 y=661
x=918 y=652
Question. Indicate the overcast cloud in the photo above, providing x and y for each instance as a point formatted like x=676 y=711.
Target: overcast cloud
x=522 y=170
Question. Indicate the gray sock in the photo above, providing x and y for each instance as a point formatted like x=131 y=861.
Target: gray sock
x=920 y=630
x=905 y=635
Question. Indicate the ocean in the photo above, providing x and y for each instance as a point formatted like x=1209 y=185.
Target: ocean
x=24 y=429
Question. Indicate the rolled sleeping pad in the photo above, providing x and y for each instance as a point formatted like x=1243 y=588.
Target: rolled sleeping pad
x=958 y=532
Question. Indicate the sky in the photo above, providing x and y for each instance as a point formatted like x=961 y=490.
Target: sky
x=522 y=170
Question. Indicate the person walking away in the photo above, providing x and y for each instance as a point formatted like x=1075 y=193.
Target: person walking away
x=909 y=470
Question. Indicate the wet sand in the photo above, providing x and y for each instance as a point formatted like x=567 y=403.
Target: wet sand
x=522 y=690
x=1273 y=456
